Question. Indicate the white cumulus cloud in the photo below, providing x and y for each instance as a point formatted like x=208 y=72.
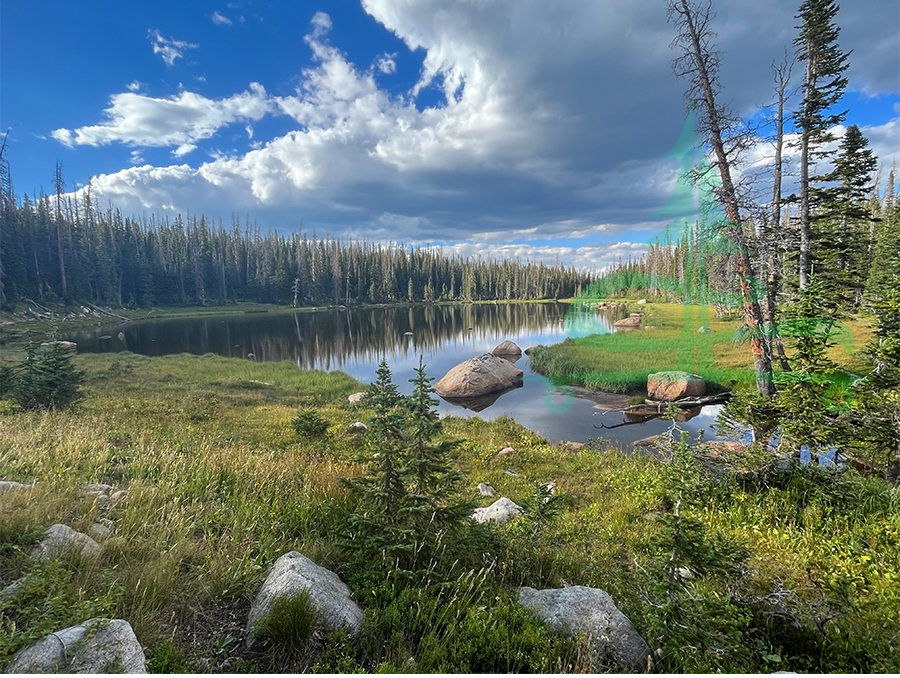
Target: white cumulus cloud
x=141 y=120
x=220 y=19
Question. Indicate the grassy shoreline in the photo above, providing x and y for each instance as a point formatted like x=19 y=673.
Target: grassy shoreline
x=219 y=486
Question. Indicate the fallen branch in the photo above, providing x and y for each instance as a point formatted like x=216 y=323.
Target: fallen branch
x=105 y=312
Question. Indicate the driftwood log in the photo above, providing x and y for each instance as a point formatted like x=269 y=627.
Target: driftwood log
x=649 y=410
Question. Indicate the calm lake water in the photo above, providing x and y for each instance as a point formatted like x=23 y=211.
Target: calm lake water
x=355 y=340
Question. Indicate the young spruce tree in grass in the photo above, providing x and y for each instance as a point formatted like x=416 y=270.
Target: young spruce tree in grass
x=378 y=529
x=46 y=380
x=408 y=500
x=435 y=506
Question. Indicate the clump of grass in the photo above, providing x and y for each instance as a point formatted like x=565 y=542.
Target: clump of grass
x=290 y=624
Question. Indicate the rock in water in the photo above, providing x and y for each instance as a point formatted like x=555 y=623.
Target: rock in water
x=508 y=350
x=628 y=323
x=590 y=611
x=60 y=538
x=96 y=646
x=479 y=376
x=501 y=511
x=328 y=595
x=669 y=386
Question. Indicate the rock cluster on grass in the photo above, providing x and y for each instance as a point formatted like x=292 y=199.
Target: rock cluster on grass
x=580 y=609
x=478 y=376
x=501 y=511
x=60 y=539
x=673 y=385
x=329 y=597
x=95 y=646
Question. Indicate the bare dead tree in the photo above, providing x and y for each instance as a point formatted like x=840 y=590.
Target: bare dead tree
x=719 y=127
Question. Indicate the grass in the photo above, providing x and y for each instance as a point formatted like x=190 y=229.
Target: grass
x=219 y=485
x=620 y=362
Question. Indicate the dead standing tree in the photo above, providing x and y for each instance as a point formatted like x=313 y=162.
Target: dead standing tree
x=719 y=128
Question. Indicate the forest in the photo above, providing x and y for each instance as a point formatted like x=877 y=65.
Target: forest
x=65 y=249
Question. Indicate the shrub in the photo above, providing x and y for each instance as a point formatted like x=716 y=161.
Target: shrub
x=310 y=423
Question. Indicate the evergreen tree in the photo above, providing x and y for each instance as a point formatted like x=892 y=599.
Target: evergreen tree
x=48 y=379
x=823 y=87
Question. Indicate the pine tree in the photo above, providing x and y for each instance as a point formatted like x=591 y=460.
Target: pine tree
x=48 y=379
x=435 y=506
x=823 y=87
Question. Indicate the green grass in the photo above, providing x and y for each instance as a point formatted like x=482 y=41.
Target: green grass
x=620 y=362
x=219 y=485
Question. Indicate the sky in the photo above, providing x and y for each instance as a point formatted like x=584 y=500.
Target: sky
x=535 y=129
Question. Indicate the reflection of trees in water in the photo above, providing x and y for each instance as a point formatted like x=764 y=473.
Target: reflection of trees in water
x=329 y=339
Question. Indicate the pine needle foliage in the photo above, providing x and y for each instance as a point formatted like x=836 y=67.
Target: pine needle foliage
x=409 y=508
x=47 y=380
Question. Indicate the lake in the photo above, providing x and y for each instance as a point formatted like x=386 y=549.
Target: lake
x=355 y=341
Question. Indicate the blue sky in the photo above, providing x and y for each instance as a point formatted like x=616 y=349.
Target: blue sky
x=536 y=129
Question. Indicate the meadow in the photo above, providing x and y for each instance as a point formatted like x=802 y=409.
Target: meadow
x=792 y=569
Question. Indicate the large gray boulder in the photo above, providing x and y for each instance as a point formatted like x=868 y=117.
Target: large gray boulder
x=580 y=609
x=673 y=385
x=96 y=646
x=479 y=376
x=59 y=538
x=501 y=511
x=293 y=573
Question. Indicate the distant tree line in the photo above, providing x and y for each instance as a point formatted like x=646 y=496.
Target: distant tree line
x=64 y=248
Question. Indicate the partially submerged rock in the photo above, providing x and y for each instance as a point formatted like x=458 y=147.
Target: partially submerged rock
x=329 y=597
x=673 y=385
x=95 y=646
x=501 y=511
x=508 y=350
x=630 y=322
x=580 y=609
x=479 y=376
x=59 y=538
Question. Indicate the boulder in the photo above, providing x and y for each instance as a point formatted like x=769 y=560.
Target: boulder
x=356 y=397
x=571 y=445
x=329 y=597
x=580 y=609
x=479 y=376
x=485 y=490
x=102 y=528
x=7 y=485
x=60 y=538
x=669 y=386
x=357 y=427
x=528 y=350
x=96 y=646
x=628 y=323
x=642 y=301
x=506 y=451
x=67 y=345
x=508 y=349
x=501 y=511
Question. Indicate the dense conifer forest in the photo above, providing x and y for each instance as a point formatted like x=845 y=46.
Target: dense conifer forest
x=66 y=248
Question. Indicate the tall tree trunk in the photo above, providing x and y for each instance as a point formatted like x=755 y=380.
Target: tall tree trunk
x=58 y=180
x=762 y=361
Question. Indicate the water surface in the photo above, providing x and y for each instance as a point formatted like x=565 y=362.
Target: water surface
x=355 y=341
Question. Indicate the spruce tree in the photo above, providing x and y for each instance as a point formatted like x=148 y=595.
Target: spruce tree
x=435 y=506
x=823 y=86
x=48 y=379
